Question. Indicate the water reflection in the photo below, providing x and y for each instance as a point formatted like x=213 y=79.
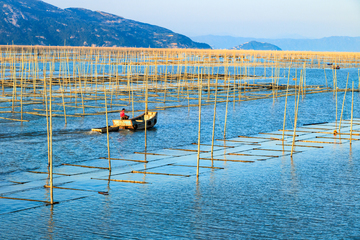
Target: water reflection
x=198 y=210
x=47 y=190
x=51 y=224
x=294 y=179
x=225 y=162
x=351 y=169
x=289 y=175
x=212 y=178
x=145 y=165
x=107 y=200
x=108 y=184
x=350 y=154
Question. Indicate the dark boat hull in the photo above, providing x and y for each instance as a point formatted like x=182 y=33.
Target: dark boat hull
x=104 y=129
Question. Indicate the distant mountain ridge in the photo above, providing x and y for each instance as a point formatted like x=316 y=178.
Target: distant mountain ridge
x=254 y=45
x=34 y=22
x=327 y=44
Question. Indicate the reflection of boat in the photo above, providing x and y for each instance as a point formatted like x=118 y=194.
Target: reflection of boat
x=137 y=123
x=103 y=130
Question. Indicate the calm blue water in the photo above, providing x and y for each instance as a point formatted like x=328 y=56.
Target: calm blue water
x=314 y=196
x=307 y=198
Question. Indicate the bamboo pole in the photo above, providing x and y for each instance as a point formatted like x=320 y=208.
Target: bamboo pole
x=81 y=91
x=214 y=119
x=295 y=120
x=47 y=116
x=63 y=100
x=336 y=99
x=234 y=100
x=286 y=98
x=14 y=89
x=325 y=78
x=146 y=109
x=226 y=109
x=199 y=130
x=50 y=138
x=21 y=85
x=107 y=129
x=166 y=74
x=352 y=112
x=132 y=98
x=342 y=108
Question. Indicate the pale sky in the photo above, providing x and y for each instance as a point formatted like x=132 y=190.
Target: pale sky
x=238 y=18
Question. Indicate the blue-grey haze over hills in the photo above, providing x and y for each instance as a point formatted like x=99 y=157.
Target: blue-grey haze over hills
x=331 y=44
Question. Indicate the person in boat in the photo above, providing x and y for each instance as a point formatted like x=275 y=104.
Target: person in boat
x=122 y=115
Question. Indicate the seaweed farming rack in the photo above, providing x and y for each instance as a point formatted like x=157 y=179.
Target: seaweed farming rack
x=79 y=78
x=79 y=82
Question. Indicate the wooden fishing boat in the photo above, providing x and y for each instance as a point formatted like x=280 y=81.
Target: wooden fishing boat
x=103 y=129
x=137 y=123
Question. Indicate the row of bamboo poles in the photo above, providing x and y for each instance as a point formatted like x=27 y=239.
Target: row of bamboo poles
x=78 y=82
x=81 y=76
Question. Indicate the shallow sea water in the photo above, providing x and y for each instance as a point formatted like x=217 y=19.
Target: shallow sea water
x=315 y=195
x=308 y=198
